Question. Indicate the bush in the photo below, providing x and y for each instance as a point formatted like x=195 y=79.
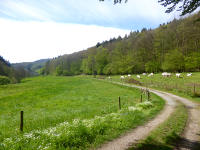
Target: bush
x=4 y=80
x=131 y=80
x=196 y=94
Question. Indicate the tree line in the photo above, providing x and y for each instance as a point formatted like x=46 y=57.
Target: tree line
x=8 y=74
x=173 y=47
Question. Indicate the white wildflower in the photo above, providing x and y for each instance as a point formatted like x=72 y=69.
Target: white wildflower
x=132 y=108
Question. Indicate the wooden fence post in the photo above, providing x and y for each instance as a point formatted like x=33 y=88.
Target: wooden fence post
x=148 y=95
x=194 y=89
x=141 y=98
x=119 y=103
x=21 y=120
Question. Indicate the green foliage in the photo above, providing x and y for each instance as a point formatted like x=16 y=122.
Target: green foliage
x=5 y=67
x=152 y=66
x=174 y=46
x=4 y=80
x=174 y=61
x=7 y=70
x=66 y=73
x=59 y=71
x=41 y=71
x=101 y=60
x=192 y=62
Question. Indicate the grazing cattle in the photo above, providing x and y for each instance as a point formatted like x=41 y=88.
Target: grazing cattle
x=178 y=75
x=189 y=74
x=122 y=77
x=138 y=76
x=165 y=74
x=129 y=75
x=151 y=74
x=144 y=74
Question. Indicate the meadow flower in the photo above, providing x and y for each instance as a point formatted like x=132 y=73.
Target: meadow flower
x=145 y=105
x=67 y=129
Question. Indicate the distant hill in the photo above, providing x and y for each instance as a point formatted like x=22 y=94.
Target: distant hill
x=32 y=67
x=5 y=67
x=173 y=47
x=11 y=73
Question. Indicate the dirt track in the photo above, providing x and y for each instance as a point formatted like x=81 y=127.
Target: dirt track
x=191 y=135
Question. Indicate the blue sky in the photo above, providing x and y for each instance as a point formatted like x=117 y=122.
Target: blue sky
x=52 y=27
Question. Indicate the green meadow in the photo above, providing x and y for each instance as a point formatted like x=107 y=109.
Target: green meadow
x=184 y=86
x=69 y=112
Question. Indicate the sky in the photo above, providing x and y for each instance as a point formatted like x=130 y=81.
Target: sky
x=32 y=30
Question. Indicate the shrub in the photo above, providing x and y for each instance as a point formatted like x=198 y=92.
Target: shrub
x=131 y=80
x=4 y=80
x=196 y=94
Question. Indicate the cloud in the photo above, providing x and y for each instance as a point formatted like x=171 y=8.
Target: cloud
x=132 y=15
x=33 y=29
x=29 y=41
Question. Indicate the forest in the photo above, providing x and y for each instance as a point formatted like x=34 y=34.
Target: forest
x=172 y=47
x=9 y=74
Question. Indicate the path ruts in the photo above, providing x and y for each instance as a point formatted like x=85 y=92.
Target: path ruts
x=191 y=135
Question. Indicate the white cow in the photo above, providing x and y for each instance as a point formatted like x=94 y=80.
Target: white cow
x=144 y=74
x=189 y=74
x=166 y=74
x=151 y=74
x=178 y=75
x=129 y=75
x=122 y=77
x=138 y=76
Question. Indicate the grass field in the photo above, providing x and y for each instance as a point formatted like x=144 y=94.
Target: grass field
x=183 y=86
x=69 y=112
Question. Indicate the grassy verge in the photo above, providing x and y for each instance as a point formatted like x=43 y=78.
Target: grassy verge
x=167 y=134
x=69 y=112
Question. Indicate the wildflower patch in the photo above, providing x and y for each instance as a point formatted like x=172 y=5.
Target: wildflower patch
x=78 y=134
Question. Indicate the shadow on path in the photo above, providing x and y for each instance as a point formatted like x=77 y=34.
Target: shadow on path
x=188 y=144
x=170 y=142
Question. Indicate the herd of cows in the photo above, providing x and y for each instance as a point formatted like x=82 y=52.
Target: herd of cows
x=164 y=74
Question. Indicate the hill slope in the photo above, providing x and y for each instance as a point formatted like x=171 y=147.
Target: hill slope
x=174 y=47
x=32 y=67
x=5 y=67
x=14 y=74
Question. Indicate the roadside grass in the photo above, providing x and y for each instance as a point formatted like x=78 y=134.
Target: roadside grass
x=61 y=105
x=188 y=87
x=166 y=136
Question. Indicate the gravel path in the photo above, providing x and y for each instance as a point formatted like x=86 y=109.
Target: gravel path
x=190 y=136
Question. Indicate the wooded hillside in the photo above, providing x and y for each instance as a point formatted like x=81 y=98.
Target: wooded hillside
x=10 y=74
x=173 y=47
x=32 y=67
